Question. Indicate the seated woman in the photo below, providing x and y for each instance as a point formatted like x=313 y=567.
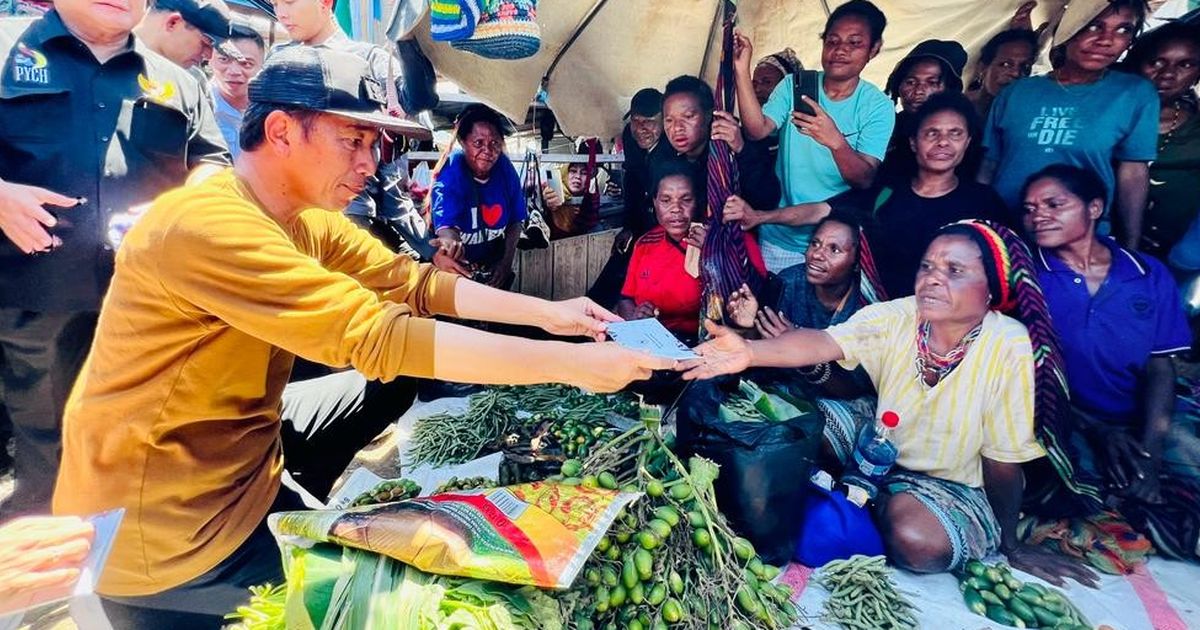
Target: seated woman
x=478 y=205
x=658 y=283
x=962 y=377
x=1119 y=318
x=904 y=213
x=825 y=291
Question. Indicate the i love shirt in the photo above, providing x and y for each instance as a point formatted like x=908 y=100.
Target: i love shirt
x=480 y=210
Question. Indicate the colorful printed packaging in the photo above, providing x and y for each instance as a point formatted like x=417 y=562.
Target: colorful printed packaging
x=539 y=534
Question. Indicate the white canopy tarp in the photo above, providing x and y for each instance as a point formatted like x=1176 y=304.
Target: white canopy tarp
x=630 y=44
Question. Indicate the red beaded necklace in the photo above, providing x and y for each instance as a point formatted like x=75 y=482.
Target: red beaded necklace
x=937 y=366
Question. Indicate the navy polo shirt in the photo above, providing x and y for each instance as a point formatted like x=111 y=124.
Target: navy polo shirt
x=1107 y=339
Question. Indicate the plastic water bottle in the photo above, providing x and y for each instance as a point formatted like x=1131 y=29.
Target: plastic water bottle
x=874 y=456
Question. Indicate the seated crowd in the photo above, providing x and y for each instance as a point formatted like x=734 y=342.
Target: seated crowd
x=995 y=257
x=1027 y=249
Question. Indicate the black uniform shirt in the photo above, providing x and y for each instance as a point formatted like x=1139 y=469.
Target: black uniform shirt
x=118 y=133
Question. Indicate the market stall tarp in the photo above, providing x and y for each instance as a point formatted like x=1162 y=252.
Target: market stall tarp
x=628 y=45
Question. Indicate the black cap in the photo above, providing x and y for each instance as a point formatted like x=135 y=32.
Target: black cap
x=950 y=54
x=478 y=112
x=330 y=81
x=647 y=102
x=211 y=17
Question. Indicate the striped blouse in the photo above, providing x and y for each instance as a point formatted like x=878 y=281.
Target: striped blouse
x=984 y=408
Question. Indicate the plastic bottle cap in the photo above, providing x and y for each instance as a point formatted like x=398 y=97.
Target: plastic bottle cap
x=890 y=419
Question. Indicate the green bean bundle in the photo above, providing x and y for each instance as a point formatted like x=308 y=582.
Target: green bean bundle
x=446 y=439
x=862 y=595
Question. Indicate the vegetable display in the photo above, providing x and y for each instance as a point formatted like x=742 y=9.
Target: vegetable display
x=993 y=592
x=862 y=595
x=670 y=561
x=619 y=533
x=564 y=419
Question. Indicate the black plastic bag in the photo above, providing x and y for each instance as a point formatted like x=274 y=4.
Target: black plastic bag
x=765 y=465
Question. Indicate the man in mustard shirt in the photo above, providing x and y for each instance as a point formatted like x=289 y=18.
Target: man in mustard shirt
x=176 y=414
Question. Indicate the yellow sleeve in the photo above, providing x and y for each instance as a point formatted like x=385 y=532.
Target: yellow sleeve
x=1008 y=422
x=347 y=248
x=227 y=260
x=867 y=338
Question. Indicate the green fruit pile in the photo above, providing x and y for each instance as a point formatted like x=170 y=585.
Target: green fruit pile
x=579 y=438
x=993 y=592
x=388 y=492
x=669 y=560
x=454 y=484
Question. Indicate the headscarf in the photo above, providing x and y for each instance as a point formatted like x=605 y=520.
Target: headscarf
x=785 y=61
x=1012 y=280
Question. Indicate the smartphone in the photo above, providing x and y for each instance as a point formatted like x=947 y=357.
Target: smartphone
x=553 y=178
x=691 y=258
x=804 y=84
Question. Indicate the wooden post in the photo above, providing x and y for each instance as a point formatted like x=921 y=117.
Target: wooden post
x=570 y=267
x=537 y=272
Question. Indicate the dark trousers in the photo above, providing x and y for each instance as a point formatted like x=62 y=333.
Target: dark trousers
x=326 y=421
x=42 y=354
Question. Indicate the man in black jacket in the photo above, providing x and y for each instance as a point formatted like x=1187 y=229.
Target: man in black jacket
x=95 y=122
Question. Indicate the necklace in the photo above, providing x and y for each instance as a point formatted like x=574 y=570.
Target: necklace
x=1176 y=122
x=1054 y=75
x=931 y=365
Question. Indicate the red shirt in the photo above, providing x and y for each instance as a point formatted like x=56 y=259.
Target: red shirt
x=656 y=275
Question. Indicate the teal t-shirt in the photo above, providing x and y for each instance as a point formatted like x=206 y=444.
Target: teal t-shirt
x=807 y=172
x=1037 y=122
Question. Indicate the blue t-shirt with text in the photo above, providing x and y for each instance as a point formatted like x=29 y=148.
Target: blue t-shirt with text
x=1037 y=122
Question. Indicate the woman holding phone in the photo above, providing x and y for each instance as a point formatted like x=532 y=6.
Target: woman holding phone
x=830 y=140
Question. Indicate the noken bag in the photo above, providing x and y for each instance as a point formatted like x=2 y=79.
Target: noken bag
x=833 y=528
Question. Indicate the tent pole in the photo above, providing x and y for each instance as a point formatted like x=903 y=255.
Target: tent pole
x=718 y=20
x=825 y=5
x=583 y=24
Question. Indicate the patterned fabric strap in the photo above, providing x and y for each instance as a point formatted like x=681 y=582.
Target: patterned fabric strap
x=1026 y=302
x=725 y=264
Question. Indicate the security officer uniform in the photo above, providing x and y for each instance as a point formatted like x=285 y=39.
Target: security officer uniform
x=114 y=134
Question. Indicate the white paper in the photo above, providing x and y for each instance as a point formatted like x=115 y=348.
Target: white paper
x=359 y=482
x=84 y=605
x=106 y=525
x=650 y=336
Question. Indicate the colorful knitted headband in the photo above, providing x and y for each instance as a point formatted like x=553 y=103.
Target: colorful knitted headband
x=997 y=262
